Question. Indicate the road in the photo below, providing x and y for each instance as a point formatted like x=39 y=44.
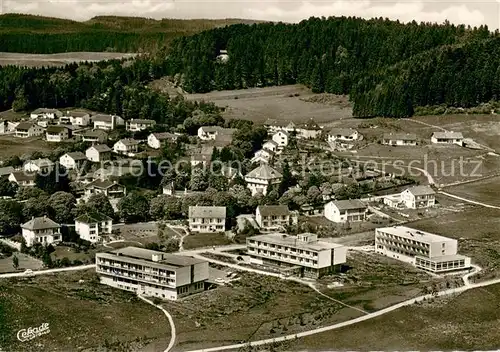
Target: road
x=181 y=236
x=469 y=200
x=173 y=333
x=48 y=271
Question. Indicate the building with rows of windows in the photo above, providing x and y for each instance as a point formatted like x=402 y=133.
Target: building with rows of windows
x=424 y=250
x=152 y=273
x=302 y=255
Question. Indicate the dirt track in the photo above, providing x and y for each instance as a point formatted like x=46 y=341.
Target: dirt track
x=38 y=60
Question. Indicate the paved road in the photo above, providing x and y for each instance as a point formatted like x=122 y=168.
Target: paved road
x=469 y=200
x=173 y=333
x=49 y=271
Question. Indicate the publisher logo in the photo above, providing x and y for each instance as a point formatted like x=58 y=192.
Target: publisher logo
x=24 y=335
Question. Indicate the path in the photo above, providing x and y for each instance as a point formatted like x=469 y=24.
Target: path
x=469 y=200
x=120 y=241
x=181 y=236
x=173 y=333
x=428 y=125
x=49 y=271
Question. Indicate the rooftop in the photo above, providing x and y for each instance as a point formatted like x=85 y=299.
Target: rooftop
x=40 y=223
x=164 y=136
x=147 y=254
x=92 y=218
x=274 y=122
x=142 y=121
x=101 y=148
x=270 y=210
x=56 y=129
x=7 y=170
x=95 y=133
x=45 y=110
x=293 y=241
x=421 y=190
x=349 y=204
x=22 y=176
x=264 y=172
x=413 y=234
x=103 y=118
x=77 y=155
x=74 y=113
x=207 y=212
x=448 y=135
x=40 y=162
x=401 y=136
x=103 y=184
x=128 y=141
x=24 y=126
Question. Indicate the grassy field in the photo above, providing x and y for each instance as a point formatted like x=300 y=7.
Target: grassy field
x=199 y=240
x=142 y=232
x=60 y=59
x=25 y=262
x=465 y=322
x=10 y=146
x=81 y=316
x=485 y=191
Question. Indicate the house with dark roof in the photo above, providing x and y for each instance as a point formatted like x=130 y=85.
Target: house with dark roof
x=127 y=146
x=22 y=179
x=206 y=133
x=91 y=227
x=261 y=178
x=418 y=197
x=272 y=217
x=43 y=165
x=72 y=160
x=41 y=230
x=207 y=219
x=75 y=118
x=342 y=134
x=44 y=113
x=28 y=129
x=6 y=171
x=447 y=137
x=110 y=189
x=156 y=140
x=396 y=139
x=98 y=153
x=57 y=134
x=94 y=136
x=341 y=211
x=308 y=130
x=107 y=122
x=135 y=125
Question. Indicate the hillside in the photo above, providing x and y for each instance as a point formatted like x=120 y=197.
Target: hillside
x=46 y=35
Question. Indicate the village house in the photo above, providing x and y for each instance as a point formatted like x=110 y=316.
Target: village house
x=107 y=122
x=424 y=250
x=73 y=160
x=281 y=138
x=341 y=211
x=206 y=133
x=448 y=137
x=342 y=134
x=75 y=118
x=303 y=255
x=418 y=197
x=8 y=126
x=57 y=133
x=273 y=125
x=94 y=136
x=206 y=219
x=152 y=273
x=98 y=153
x=135 y=125
x=110 y=189
x=272 y=217
x=157 y=140
x=43 y=113
x=91 y=227
x=126 y=146
x=43 y=166
x=397 y=139
x=270 y=145
x=28 y=129
x=41 y=230
x=263 y=156
x=308 y=130
x=22 y=179
x=261 y=178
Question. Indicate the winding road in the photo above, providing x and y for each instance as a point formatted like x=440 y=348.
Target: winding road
x=173 y=333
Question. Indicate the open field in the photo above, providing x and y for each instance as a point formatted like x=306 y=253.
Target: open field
x=485 y=191
x=81 y=316
x=141 y=232
x=25 y=262
x=10 y=146
x=60 y=59
x=206 y=240
x=468 y=321
x=286 y=103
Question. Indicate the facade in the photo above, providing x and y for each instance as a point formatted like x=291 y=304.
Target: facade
x=270 y=145
x=418 y=197
x=39 y=165
x=75 y=118
x=281 y=138
x=110 y=189
x=273 y=125
x=41 y=230
x=43 y=113
x=263 y=156
x=126 y=146
x=342 y=134
x=424 y=250
x=302 y=255
x=206 y=133
x=152 y=273
x=72 y=160
x=207 y=219
x=57 y=133
x=272 y=217
x=107 y=122
x=397 y=139
x=95 y=136
x=308 y=130
x=135 y=125
x=156 y=140
x=448 y=137
x=341 y=211
x=260 y=179
x=28 y=129
x=98 y=153
x=90 y=227
x=22 y=179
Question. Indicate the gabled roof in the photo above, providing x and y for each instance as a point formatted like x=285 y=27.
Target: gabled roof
x=24 y=126
x=22 y=176
x=448 y=135
x=40 y=162
x=273 y=210
x=73 y=113
x=164 y=136
x=207 y=212
x=349 y=204
x=92 y=218
x=128 y=141
x=76 y=155
x=40 y=223
x=401 y=136
x=264 y=172
x=270 y=142
x=283 y=132
x=56 y=129
x=142 y=121
x=101 y=148
x=95 y=133
x=421 y=190
x=102 y=118
x=102 y=184
x=45 y=110
x=311 y=124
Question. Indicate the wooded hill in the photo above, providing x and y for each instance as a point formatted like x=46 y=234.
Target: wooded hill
x=46 y=35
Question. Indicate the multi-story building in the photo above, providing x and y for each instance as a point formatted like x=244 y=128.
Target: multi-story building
x=260 y=179
x=41 y=230
x=422 y=249
x=309 y=130
x=135 y=125
x=110 y=189
x=272 y=217
x=90 y=227
x=57 y=133
x=72 y=160
x=341 y=211
x=126 y=146
x=152 y=273
x=43 y=166
x=207 y=219
x=281 y=138
x=418 y=197
x=94 y=136
x=76 y=118
x=98 y=153
x=206 y=133
x=28 y=129
x=107 y=122
x=156 y=140
x=263 y=156
x=44 y=113
x=302 y=255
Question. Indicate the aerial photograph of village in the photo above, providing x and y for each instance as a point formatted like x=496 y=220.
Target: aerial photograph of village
x=201 y=176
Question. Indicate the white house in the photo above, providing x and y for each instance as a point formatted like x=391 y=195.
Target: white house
x=90 y=227
x=260 y=179
x=75 y=118
x=8 y=126
x=270 y=145
x=281 y=138
x=448 y=137
x=94 y=136
x=207 y=219
x=57 y=133
x=341 y=211
x=41 y=230
x=22 y=179
x=418 y=197
x=98 y=153
x=308 y=130
x=43 y=113
x=206 y=133
x=126 y=146
x=107 y=122
x=73 y=160
x=39 y=165
x=28 y=129
x=110 y=189
x=156 y=140
x=135 y=125
x=273 y=125
x=263 y=156
x=342 y=134
x=396 y=139
x=272 y=217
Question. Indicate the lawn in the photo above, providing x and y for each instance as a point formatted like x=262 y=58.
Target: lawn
x=200 y=240
x=81 y=316
x=10 y=146
x=485 y=191
x=465 y=322
x=25 y=262
x=142 y=232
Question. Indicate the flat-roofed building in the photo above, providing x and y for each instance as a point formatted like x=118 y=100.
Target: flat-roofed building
x=422 y=249
x=302 y=255
x=152 y=273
